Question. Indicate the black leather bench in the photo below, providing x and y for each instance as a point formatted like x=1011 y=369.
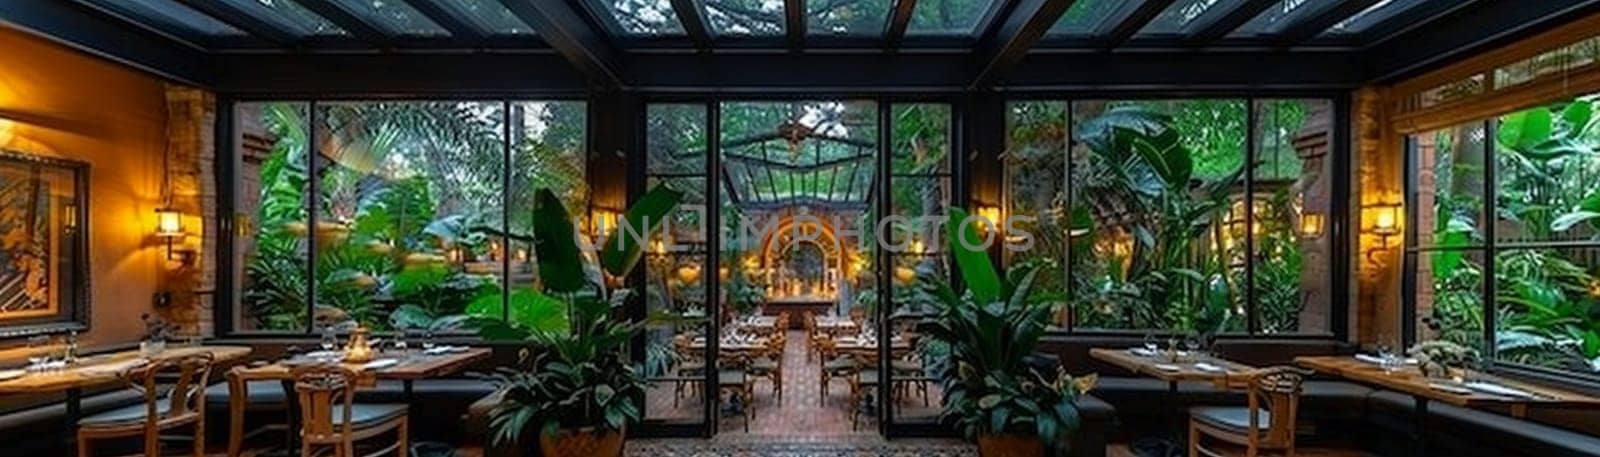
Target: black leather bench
x=1457 y=431
x=40 y=430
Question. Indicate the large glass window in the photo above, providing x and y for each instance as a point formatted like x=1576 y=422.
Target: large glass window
x=676 y=140
x=394 y=215
x=1537 y=168
x=1158 y=222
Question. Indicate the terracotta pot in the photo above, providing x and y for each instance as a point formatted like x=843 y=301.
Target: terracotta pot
x=1010 y=446
x=585 y=442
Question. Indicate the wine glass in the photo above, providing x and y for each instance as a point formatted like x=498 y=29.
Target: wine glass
x=427 y=339
x=330 y=340
x=38 y=351
x=1151 y=344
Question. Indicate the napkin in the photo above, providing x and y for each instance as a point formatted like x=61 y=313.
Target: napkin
x=1375 y=360
x=1142 y=352
x=1496 y=389
x=437 y=350
x=1454 y=389
x=380 y=364
x=1203 y=366
x=1168 y=367
x=7 y=375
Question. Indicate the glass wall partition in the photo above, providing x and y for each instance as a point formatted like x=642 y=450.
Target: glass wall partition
x=675 y=295
x=1181 y=215
x=1507 y=229
x=395 y=215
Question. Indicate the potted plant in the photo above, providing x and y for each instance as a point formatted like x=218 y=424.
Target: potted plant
x=992 y=393
x=575 y=387
x=156 y=333
x=1438 y=359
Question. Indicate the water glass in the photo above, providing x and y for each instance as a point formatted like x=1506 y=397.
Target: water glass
x=427 y=339
x=330 y=340
x=38 y=351
x=1151 y=343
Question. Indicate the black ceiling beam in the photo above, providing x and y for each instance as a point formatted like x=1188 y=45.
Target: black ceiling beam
x=1179 y=71
x=358 y=27
x=460 y=28
x=566 y=31
x=386 y=75
x=794 y=23
x=1130 y=24
x=1467 y=31
x=1314 y=25
x=1220 y=27
x=694 y=23
x=82 y=29
x=899 y=21
x=242 y=20
x=1028 y=22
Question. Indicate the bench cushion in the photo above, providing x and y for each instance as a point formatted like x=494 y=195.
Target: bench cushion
x=1488 y=433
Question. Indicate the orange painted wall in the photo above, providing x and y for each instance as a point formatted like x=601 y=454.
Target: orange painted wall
x=58 y=102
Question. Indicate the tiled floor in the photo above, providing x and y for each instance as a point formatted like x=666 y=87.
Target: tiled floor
x=806 y=413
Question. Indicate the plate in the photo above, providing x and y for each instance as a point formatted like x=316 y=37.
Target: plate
x=1168 y=367
x=1449 y=388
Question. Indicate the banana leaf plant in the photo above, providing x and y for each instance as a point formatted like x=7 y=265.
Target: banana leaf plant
x=576 y=374
x=992 y=329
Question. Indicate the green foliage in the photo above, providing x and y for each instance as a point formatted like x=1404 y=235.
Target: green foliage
x=1137 y=163
x=989 y=386
x=581 y=376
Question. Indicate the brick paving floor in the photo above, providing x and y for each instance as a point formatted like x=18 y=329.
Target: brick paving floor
x=800 y=416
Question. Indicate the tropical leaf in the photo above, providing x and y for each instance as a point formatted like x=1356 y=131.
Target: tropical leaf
x=971 y=260
x=554 y=243
x=622 y=250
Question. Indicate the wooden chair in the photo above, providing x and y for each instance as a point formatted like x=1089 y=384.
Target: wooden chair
x=690 y=367
x=834 y=366
x=166 y=406
x=1266 y=423
x=769 y=364
x=329 y=415
x=864 y=382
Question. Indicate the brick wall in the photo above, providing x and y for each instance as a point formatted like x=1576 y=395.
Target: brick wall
x=191 y=155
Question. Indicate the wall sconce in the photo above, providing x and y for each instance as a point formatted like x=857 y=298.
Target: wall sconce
x=602 y=220
x=1385 y=225
x=1311 y=225
x=69 y=219
x=991 y=214
x=169 y=227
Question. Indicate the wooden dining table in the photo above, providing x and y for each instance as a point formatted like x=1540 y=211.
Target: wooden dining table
x=1408 y=379
x=836 y=325
x=411 y=366
x=103 y=370
x=1174 y=368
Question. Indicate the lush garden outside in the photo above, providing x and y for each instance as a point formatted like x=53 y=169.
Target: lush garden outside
x=1149 y=217
x=1544 y=241
x=423 y=209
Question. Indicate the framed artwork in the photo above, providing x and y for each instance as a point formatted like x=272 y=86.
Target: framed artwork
x=44 y=214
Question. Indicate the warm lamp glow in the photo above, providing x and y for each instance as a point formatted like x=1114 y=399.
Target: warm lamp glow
x=990 y=215
x=169 y=222
x=917 y=247
x=1385 y=222
x=1311 y=225
x=602 y=220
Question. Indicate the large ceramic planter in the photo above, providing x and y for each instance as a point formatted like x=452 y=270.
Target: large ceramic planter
x=1010 y=446
x=585 y=442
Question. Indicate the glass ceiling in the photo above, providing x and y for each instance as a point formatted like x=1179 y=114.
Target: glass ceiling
x=489 y=15
x=745 y=17
x=1279 y=17
x=799 y=152
x=846 y=17
x=393 y=15
x=169 y=15
x=288 y=16
x=1184 y=15
x=764 y=20
x=644 y=17
x=1373 y=15
x=948 y=17
x=1085 y=16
